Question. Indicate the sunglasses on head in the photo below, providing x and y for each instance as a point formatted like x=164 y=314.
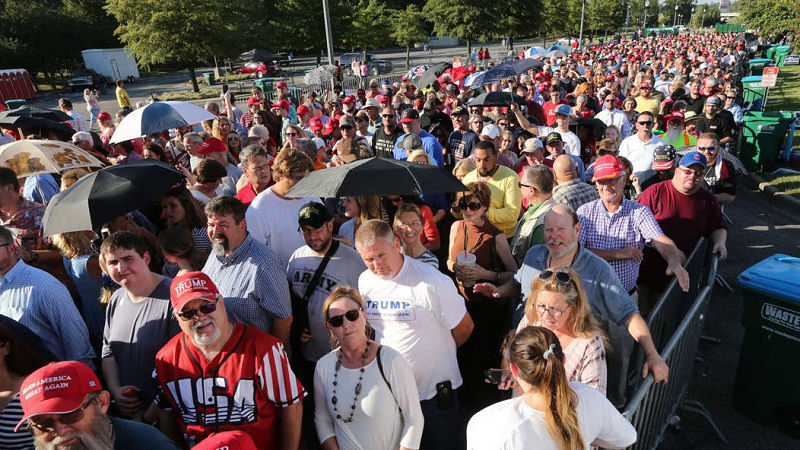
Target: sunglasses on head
x=561 y=277
x=206 y=308
x=352 y=316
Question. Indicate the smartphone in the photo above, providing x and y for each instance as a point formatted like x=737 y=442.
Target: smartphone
x=445 y=396
x=224 y=88
x=496 y=376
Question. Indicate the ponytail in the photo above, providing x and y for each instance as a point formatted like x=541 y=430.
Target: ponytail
x=538 y=355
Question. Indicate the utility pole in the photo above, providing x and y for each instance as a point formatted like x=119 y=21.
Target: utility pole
x=644 y=22
x=326 y=11
x=675 y=19
x=580 y=37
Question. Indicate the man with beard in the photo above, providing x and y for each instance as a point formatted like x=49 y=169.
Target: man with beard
x=384 y=137
x=314 y=271
x=607 y=297
x=248 y=273
x=139 y=321
x=506 y=199
x=66 y=408
x=221 y=376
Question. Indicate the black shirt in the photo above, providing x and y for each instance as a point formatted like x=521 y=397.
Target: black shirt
x=383 y=144
x=717 y=125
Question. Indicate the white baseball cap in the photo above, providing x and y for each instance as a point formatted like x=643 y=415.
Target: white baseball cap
x=491 y=130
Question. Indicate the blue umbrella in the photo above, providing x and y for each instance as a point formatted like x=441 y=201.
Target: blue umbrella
x=498 y=73
x=159 y=116
x=557 y=47
x=524 y=65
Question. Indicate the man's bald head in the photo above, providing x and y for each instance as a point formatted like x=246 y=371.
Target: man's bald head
x=560 y=211
x=565 y=169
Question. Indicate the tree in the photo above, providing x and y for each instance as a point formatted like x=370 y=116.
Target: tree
x=770 y=16
x=705 y=15
x=468 y=20
x=520 y=18
x=371 y=20
x=409 y=29
x=604 y=15
x=159 y=31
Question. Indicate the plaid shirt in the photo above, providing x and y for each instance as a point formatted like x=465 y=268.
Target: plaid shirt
x=574 y=193
x=632 y=225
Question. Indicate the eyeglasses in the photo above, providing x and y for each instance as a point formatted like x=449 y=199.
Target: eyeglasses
x=206 y=308
x=646 y=123
x=413 y=224
x=388 y=116
x=48 y=425
x=609 y=100
x=352 y=316
x=561 y=277
x=521 y=185
x=710 y=148
x=554 y=312
x=692 y=173
x=502 y=124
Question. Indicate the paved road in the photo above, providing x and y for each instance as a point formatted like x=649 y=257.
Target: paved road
x=761 y=227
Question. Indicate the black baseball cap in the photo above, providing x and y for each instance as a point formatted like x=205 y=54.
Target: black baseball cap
x=409 y=115
x=314 y=215
x=552 y=138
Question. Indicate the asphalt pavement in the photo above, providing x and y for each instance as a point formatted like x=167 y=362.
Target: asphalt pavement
x=761 y=227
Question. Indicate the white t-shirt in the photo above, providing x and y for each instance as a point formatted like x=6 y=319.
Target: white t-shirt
x=513 y=425
x=377 y=423
x=639 y=153
x=78 y=122
x=272 y=220
x=616 y=118
x=572 y=144
x=413 y=313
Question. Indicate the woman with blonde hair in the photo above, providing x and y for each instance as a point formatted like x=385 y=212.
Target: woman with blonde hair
x=82 y=265
x=553 y=413
x=558 y=302
x=365 y=395
x=291 y=134
x=359 y=209
x=462 y=168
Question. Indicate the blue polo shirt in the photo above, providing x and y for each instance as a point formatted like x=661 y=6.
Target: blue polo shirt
x=431 y=145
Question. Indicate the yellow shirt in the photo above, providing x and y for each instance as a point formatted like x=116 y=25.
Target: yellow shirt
x=505 y=202
x=647 y=104
x=122 y=98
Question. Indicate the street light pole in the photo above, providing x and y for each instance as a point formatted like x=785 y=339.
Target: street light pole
x=644 y=22
x=326 y=11
x=675 y=20
x=580 y=36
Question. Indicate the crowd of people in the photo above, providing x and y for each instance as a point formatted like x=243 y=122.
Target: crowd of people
x=501 y=316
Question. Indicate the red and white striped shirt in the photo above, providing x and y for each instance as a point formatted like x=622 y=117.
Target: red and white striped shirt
x=240 y=389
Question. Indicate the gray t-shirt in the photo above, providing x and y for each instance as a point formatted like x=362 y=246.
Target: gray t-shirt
x=135 y=332
x=343 y=269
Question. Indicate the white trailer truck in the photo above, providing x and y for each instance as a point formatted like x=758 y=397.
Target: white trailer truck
x=113 y=63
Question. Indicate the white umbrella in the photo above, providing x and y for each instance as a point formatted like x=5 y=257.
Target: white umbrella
x=535 y=50
x=35 y=156
x=157 y=117
x=320 y=75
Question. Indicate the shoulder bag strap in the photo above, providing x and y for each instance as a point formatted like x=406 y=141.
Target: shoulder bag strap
x=318 y=273
x=386 y=380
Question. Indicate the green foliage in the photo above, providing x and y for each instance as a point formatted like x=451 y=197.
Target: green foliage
x=409 y=26
x=468 y=20
x=770 y=15
x=604 y=15
x=705 y=16
x=371 y=21
x=521 y=18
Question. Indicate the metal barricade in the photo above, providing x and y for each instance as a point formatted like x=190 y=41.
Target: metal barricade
x=652 y=408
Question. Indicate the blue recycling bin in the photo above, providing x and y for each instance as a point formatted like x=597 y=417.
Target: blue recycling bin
x=766 y=387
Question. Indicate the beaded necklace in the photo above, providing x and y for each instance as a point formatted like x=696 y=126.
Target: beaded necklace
x=334 y=399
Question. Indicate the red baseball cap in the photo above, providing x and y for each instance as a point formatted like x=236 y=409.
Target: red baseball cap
x=57 y=388
x=383 y=98
x=281 y=104
x=227 y=440
x=104 y=116
x=362 y=92
x=302 y=109
x=189 y=286
x=645 y=85
x=253 y=101
x=315 y=124
x=280 y=84
x=607 y=167
x=349 y=99
x=330 y=127
x=674 y=116
x=212 y=145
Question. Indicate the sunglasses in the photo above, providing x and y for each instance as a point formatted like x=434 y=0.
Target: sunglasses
x=524 y=185
x=609 y=100
x=710 y=148
x=692 y=173
x=345 y=127
x=502 y=124
x=48 y=425
x=352 y=316
x=291 y=134
x=646 y=123
x=206 y=308
x=388 y=116
x=472 y=206
x=561 y=277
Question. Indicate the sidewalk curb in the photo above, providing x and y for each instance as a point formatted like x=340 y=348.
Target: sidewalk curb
x=764 y=186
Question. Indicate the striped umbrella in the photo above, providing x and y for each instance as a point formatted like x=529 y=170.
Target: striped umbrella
x=157 y=117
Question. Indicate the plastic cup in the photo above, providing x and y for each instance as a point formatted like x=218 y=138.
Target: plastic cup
x=465 y=259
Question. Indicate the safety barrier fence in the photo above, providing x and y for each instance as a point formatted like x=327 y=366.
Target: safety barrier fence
x=350 y=85
x=652 y=407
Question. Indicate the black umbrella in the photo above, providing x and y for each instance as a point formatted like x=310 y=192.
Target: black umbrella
x=498 y=73
x=497 y=98
x=524 y=65
x=27 y=342
x=258 y=54
x=107 y=194
x=28 y=124
x=32 y=111
x=376 y=176
x=597 y=127
x=431 y=74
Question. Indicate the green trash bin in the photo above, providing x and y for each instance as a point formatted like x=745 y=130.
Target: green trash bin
x=770 y=52
x=16 y=103
x=780 y=53
x=208 y=77
x=264 y=83
x=766 y=384
x=762 y=137
x=752 y=93
x=757 y=66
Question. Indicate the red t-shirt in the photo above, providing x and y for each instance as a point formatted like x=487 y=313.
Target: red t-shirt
x=429 y=233
x=549 y=111
x=683 y=218
x=242 y=388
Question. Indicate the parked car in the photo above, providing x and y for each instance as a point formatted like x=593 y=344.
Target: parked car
x=260 y=69
x=376 y=65
x=86 y=78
